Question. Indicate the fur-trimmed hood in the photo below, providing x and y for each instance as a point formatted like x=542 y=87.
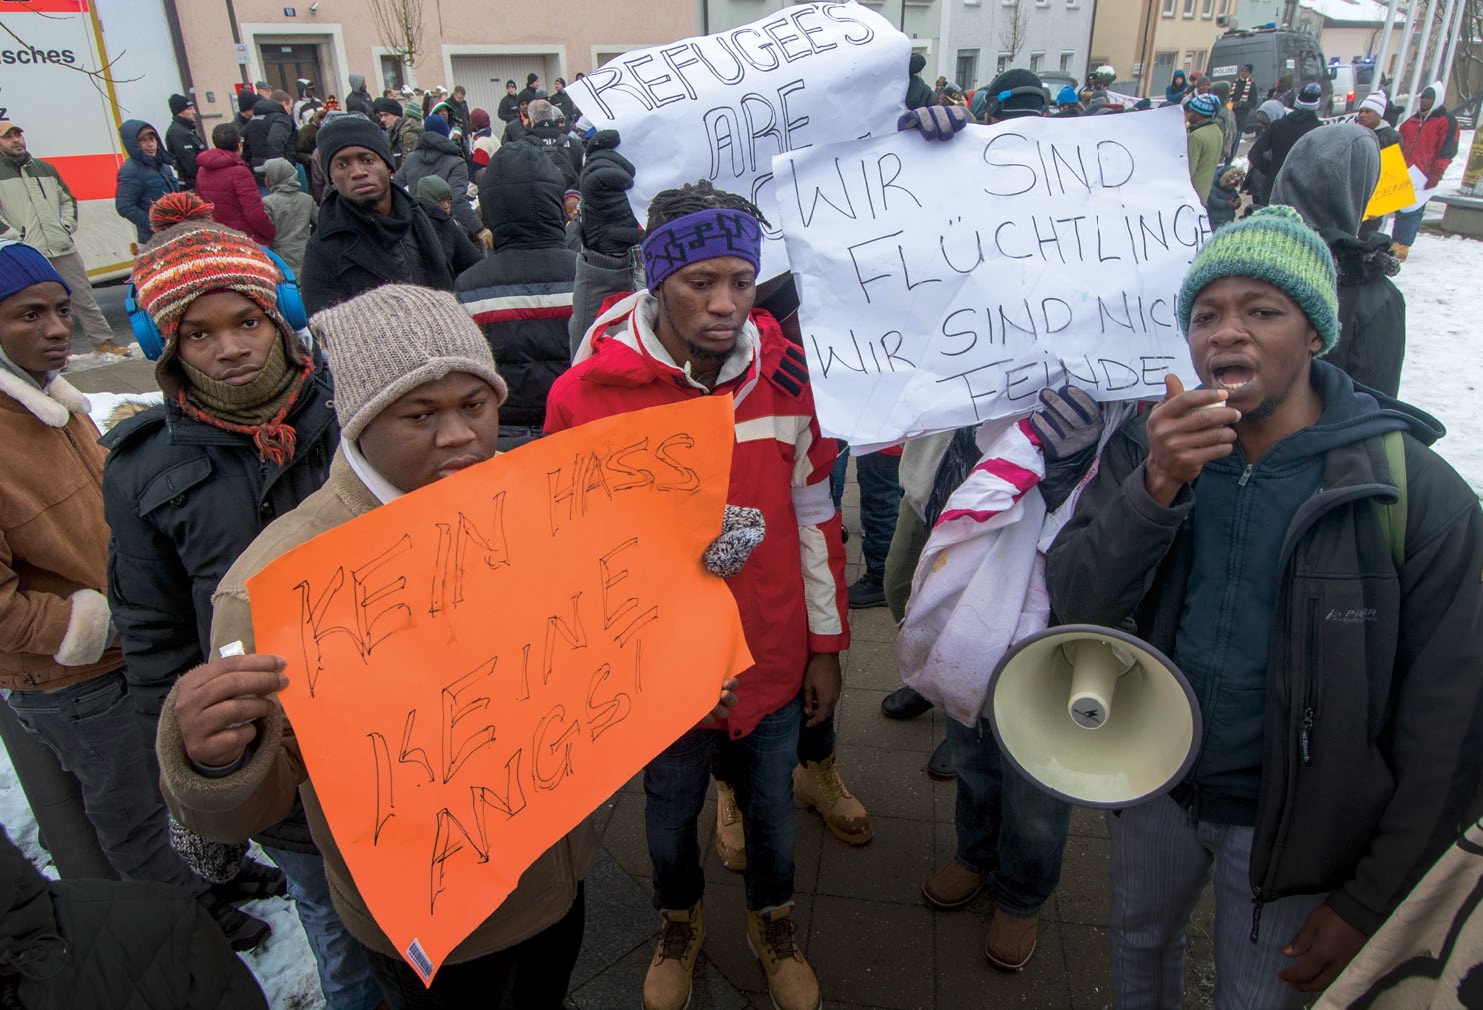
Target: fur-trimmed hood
x=52 y=406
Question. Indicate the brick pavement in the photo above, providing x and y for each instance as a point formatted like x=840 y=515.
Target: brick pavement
x=867 y=931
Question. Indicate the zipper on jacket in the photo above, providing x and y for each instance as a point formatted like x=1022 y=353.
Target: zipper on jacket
x=1256 y=913
x=1305 y=736
x=1246 y=475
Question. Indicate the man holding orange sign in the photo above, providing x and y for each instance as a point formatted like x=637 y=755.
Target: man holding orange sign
x=499 y=909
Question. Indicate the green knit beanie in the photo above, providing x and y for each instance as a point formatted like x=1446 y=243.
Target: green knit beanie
x=1276 y=246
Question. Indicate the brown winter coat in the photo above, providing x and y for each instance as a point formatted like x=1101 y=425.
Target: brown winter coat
x=262 y=791
x=53 y=540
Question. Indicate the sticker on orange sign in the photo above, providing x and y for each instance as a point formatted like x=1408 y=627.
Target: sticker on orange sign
x=476 y=666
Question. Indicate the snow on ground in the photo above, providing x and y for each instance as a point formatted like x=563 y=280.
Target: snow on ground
x=1443 y=340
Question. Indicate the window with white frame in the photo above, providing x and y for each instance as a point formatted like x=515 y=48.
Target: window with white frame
x=1002 y=63
x=1208 y=10
x=1066 y=59
x=967 y=77
x=1189 y=8
x=1037 y=62
x=1168 y=8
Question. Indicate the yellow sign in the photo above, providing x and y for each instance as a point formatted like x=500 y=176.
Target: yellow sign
x=1394 y=190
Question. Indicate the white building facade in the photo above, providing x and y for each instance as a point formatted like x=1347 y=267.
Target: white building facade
x=983 y=37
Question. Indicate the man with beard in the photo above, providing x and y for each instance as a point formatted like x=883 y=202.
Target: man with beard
x=371 y=231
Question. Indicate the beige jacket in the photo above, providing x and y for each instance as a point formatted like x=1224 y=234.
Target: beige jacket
x=54 y=627
x=36 y=207
x=261 y=793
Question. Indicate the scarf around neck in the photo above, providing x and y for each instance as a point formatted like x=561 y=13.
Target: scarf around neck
x=387 y=230
x=256 y=409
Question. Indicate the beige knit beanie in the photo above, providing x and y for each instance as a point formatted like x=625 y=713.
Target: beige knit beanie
x=392 y=339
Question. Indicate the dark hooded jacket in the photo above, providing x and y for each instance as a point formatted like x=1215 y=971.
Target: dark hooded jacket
x=184 y=144
x=1329 y=179
x=1353 y=731
x=459 y=250
x=521 y=296
x=103 y=944
x=182 y=500
x=353 y=250
x=1178 y=86
x=1271 y=149
x=509 y=108
x=563 y=101
x=141 y=180
x=270 y=134
x=359 y=99
x=608 y=224
x=918 y=91
x=436 y=155
x=557 y=145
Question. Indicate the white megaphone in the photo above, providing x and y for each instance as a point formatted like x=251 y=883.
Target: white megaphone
x=1094 y=716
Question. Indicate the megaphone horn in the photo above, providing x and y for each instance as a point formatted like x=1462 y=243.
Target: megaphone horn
x=1094 y=716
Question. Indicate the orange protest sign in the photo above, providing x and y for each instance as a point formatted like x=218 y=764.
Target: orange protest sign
x=1393 y=191
x=475 y=667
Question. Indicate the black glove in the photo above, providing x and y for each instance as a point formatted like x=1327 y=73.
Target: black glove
x=1069 y=426
x=742 y=529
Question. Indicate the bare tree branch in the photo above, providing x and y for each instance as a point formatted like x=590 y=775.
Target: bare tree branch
x=1012 y=34
x=100 y=78
x=399 y=25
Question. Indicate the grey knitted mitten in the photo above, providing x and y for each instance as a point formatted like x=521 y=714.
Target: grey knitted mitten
x=742 y=530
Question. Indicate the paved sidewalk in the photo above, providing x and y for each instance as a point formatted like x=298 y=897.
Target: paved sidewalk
x=867 y=931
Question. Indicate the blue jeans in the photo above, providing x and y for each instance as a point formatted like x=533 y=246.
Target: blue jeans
x=344 y=976
x=1008 y=830
x=880 y=499
x=93 y=730
x=760 y=769
x=1407 y=225
x=1161 y=863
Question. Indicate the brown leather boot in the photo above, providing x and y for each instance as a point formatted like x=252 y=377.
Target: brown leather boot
x=731 y=841
x=818 y=785
x=672 y=972
x=1399 y=251
x=1011 y=940
x=952 y=885
x=773 y=937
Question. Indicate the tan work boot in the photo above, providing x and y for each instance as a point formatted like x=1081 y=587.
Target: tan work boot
x=818 y=785
x=952 y=885
x=1011 y=940
x=731 y=841
x=1399 y=251
x=109 y=347
x=672 y=972
x=773 y=937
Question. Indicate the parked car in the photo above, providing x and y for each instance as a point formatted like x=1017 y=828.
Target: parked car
x=1352 y=82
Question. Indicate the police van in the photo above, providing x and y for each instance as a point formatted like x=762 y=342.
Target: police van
x=1282 y=62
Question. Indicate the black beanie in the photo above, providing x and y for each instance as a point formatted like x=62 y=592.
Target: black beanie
x=178 y=104
x=388 y=105
x=1003 y=104
x=351 y=131
x=916 y=63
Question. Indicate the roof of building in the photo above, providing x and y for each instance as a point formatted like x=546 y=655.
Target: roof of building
x=1357 y=12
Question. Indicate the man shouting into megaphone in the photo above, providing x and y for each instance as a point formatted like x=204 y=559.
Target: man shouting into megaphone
x=1287 y=537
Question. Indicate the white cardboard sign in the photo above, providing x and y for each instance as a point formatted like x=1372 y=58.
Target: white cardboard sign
x=944 y=284
x=719 y=107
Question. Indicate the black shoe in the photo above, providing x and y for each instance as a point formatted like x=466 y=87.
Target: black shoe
x=253 y=882
x=869 y=591
x=844 y=533
x=904 y=703
x=244 y=932
x=940 y=764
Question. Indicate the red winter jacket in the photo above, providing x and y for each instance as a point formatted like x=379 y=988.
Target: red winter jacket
x=1430 y=143
x=225 y=181
x=791 y=592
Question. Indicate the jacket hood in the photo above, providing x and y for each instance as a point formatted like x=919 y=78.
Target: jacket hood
x=281 y=176
x=129 y=132
x=266 y=107
x=520 y=199
x=437 y=142
x=216 y=158
x=30 y=944
x=1328 y=178
x=916 y=63
x=1272 y=109
x=1352 y=413
x=357 y=82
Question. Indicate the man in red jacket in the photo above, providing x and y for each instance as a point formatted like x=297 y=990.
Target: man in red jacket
x=694 y=333
x=1429 y=142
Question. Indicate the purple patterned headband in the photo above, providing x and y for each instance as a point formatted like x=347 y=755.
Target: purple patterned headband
x=704 y=235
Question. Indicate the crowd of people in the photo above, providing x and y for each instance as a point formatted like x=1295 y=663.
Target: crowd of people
x=346 y=305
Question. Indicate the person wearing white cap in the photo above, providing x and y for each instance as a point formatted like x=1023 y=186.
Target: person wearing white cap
x=1429 y=141
x=1371 y=116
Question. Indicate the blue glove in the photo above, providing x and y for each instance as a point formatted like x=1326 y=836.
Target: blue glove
x=936 y=122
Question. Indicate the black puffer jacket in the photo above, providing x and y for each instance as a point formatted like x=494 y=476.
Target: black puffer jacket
x=110 y=945
x=458 y=248
x=521 y=296
x=351 y=251
x=608 y=224
x=1374 y=715
x=557 y=145
x=1372 y=313
x=270 y=134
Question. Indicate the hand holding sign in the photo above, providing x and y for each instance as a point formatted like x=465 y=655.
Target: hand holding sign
x=219 y=703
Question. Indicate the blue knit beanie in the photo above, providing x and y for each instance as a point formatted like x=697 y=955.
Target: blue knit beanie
x=435 y=124
x=1204 y=105
x=1273 y=245
x=22 y=266
x=1067 y=96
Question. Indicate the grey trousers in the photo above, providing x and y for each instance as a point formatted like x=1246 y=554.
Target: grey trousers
x=1161 y=864
x=93 y=730
x=84 y=308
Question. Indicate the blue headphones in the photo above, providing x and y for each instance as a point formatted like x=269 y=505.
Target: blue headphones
x=290 y=306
